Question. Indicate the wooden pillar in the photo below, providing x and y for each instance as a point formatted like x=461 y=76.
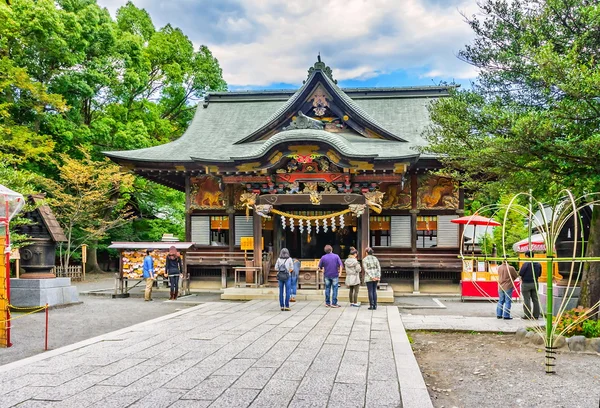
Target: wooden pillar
x=414 y=186
x=257 y=228
x=229 y=193
x=461 y=212
x=188 y=215
x=414 y=212
x=364 y=233
x=223 y=277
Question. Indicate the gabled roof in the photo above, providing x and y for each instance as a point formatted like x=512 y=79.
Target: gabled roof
x=319 y=77
x=50 y=221
x=225 y=127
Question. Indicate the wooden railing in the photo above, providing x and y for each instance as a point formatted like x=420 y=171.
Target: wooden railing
x=75 y=272
x=217 y=258
x=420 y=260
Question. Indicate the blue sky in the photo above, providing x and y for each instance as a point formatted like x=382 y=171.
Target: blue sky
x=270 y=44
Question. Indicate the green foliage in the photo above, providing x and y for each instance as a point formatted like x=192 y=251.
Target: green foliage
x=531 y=121
x=572 y=317
x=75 y=82
x=591 y=328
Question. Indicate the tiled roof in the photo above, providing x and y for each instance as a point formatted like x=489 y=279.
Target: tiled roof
x=218 y=126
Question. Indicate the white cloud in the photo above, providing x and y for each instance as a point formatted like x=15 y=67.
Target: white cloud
x=260 y=42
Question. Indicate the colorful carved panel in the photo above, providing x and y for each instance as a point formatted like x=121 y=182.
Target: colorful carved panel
x=238 y=190
x=206 y=193
x=437 y=192
x=396 y=197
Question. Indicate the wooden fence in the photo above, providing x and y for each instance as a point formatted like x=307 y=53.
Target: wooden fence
x=74 y=272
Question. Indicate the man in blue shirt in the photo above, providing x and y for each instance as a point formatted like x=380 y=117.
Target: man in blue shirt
x=148 y=274
x=331 y=266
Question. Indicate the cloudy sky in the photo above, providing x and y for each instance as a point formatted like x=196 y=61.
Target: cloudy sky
x=271 y=43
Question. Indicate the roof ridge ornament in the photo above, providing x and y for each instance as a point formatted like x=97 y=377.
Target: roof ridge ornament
x=304 y=122
x=320 y=66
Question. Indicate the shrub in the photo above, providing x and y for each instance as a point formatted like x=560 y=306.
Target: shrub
x=591 y=328
x=567 y=319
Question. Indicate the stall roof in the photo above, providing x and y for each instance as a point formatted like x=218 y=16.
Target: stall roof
x=151 y=245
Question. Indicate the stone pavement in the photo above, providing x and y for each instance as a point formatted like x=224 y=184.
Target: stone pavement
x=230 y=355
x=465 y=323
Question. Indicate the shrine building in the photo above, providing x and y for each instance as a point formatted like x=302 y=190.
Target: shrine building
x=263 y=170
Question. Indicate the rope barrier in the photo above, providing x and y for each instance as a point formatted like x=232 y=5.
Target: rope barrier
x=30 y=311
x=39 y=309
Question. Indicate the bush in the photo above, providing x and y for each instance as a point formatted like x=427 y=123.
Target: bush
x=591 y=328
x=567 y=319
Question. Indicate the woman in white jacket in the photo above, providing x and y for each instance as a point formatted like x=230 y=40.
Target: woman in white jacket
x=353 y=276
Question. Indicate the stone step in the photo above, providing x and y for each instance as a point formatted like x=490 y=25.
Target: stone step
x=383 y=295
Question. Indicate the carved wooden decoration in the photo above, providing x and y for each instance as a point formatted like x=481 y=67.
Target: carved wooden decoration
x=437 y=192
x=396 y=197
x=206 y=193
x=319 y=101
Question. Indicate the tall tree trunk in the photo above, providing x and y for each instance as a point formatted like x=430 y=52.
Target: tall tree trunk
x=91 y=266
x=590 y=287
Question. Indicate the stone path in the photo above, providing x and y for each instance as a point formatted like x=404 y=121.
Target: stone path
x=465 y=323
x=230 y=355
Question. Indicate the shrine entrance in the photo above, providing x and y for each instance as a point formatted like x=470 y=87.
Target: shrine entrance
x=308 y=243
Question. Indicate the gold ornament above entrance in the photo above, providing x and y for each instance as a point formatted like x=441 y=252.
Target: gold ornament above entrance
x=319 y=100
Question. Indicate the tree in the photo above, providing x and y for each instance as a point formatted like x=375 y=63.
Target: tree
x=89 y=200
x=532 y=119
x=76 y=82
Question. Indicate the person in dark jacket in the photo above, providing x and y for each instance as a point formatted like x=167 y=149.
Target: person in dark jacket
x=173 y=269
x=530 y=273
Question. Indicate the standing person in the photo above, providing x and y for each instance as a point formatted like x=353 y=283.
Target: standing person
x=284 y=267
x=331 y=266
x=173 y=269
x=372 y=276
x=148 y=274
x=530 y=272
x=294 y=282
x=353 y=276
x=506 y=277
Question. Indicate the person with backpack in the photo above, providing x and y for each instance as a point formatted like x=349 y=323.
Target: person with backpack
x=294 y=283
x=284 y=267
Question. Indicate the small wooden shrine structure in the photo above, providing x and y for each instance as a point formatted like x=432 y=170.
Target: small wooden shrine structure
x=38 y=258
x=309 y=167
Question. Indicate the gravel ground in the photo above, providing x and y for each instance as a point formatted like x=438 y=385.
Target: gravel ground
x=489 y=370
x=95 y=316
